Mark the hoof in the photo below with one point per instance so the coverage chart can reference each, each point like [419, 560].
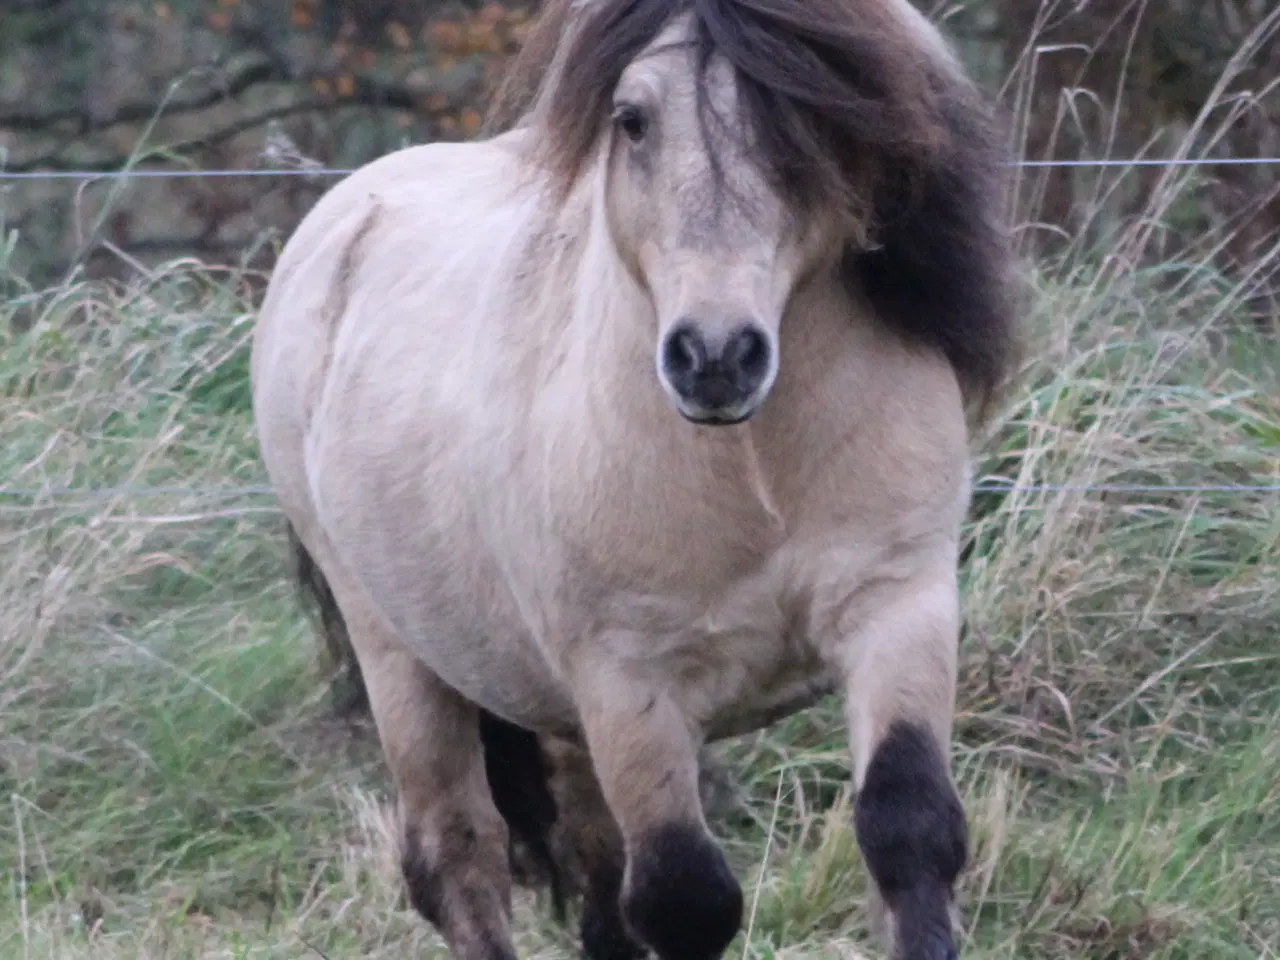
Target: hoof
[680, 897]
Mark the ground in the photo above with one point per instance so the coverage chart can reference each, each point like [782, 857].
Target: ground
[177, 786]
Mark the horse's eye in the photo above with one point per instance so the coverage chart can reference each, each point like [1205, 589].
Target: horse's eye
[631, 121]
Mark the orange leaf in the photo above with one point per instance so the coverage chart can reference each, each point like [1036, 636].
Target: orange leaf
[219, 21]
[471, 121]
[479, 37]
[321, 86]
[398, 35]
[492, 13]
[346, 85]
[446, 35]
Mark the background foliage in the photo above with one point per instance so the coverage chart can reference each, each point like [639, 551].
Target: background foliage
[176, 783]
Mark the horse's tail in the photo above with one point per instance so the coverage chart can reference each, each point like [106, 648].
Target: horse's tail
[517, 769]
[350, 694]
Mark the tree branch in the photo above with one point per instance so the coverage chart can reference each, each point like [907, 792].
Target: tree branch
[253, 74]
[54, 163]
[367, 93]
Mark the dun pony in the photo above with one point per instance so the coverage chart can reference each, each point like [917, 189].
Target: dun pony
[643, 422]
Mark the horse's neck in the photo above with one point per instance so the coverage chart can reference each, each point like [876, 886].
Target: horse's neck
[612, 328]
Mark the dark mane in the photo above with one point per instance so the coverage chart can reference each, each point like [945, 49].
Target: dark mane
[847, 106]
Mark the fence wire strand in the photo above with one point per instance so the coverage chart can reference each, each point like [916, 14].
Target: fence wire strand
[147, 174]
[86, 495]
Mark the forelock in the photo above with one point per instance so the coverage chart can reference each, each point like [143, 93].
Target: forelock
[850, 105]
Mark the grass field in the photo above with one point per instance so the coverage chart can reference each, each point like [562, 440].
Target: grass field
[175, 786]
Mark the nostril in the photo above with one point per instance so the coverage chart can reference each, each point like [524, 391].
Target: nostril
[685, 353]
[748, 351]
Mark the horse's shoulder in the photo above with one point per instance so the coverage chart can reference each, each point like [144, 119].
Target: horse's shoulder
[476, 169]
[434, 179]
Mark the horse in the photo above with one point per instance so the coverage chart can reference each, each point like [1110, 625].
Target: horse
[640, 422]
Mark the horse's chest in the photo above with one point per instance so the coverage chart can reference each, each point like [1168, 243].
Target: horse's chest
[724, 631]
[679, 528]
[736, 656]
[680, 563]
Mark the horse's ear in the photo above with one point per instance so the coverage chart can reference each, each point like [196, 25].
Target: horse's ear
[941, 269]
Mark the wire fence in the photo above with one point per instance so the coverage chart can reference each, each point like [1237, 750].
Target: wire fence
[182, 173]
[86, 494]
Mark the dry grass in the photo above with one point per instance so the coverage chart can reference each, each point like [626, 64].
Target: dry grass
[175, 788]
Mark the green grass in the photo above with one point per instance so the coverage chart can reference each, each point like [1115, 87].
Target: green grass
[176, 788]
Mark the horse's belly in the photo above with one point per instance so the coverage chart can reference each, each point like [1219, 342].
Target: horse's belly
[443, 593]
[505, 638]
[485, 652]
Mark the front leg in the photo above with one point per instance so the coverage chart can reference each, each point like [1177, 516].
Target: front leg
[896, 647]
[587, 838]
[678, 895]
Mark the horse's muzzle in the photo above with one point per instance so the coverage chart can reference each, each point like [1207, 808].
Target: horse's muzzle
[717, 381]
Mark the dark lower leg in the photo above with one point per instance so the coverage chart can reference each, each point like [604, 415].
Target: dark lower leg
[588, 838]
[604, 933]
[899, 661]
[678, 895]
[454, 842]
[454, 877]
[681, 897]
[911, 827]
